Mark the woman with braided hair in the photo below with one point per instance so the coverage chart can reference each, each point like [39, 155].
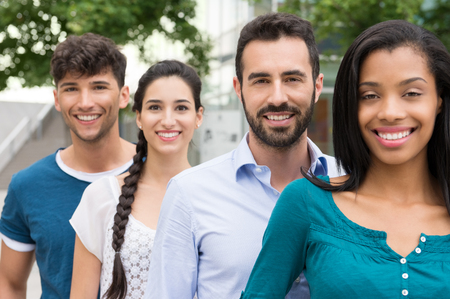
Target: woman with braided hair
[116, 220]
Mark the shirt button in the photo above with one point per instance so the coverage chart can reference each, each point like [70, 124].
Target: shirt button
[275, 192]
[423, 239]
[297, 280]
[405, 292]
[418, 250]
[405, 275]
[403, 261]
[258, 170]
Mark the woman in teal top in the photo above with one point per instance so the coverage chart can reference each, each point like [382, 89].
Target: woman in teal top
[383, 231]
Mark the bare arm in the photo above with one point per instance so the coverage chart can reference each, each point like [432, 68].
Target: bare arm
[86, 273]
[15, 267]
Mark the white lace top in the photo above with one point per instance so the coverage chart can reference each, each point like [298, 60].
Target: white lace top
[93, 222]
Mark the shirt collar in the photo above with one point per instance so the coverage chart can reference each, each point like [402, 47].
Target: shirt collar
[243, 156]
[319, 164]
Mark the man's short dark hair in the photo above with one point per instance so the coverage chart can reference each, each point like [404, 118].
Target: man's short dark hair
[88, 55]
[272, 27]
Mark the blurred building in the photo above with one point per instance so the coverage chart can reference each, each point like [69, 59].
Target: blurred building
[28, 136]
[225, 123]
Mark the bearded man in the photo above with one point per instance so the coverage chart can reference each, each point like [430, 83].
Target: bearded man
[214, 215]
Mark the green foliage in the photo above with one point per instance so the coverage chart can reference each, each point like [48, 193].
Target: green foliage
[31, 29]
[344, 20]
[437, 20]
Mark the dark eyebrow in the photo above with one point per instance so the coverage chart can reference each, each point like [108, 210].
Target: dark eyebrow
[100, 82]
[294, 72]
[182, 101]
[286, 73]
[373, 84]
[159, 101]
[407, 81]
[153, 101]
[68, 84]
[404, 82]
[257, 75]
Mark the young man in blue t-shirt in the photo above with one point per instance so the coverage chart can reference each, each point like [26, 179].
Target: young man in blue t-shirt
[89, 76]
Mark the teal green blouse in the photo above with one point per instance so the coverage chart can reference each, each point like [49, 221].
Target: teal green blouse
[340, 259]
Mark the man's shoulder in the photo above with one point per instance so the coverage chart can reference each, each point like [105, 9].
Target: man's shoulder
[207, 169]
[37, 169]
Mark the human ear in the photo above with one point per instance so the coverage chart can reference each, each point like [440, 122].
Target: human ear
[138, 119]
[439, 107]
[318, 86]
[55, 95]
[124, 97]
[237, 87]
[199, 118]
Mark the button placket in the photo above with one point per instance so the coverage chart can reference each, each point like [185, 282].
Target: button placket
[419, 249]
[405, 277]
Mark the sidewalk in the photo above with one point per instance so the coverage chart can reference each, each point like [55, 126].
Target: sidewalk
[34, 283]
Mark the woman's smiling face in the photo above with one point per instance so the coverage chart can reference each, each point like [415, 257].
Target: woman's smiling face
[168, 117]
[398, 104]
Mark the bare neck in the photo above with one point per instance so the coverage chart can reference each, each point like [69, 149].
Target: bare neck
[92, 157]
[159, 168]
[410, 182]
[284, 164]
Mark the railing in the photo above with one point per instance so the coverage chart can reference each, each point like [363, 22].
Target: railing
[21, 134]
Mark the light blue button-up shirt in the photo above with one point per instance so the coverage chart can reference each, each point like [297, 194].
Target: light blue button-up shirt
[211, 226]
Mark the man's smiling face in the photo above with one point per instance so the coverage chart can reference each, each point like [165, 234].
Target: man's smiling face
[278, 91]
[90, 105]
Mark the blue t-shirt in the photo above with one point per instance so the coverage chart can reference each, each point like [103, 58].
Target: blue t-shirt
[40, 201]
[341, 259]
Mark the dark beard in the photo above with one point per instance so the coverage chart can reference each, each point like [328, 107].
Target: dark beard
[280, 137]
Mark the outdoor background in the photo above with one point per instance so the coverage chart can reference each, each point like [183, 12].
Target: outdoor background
[203, 33]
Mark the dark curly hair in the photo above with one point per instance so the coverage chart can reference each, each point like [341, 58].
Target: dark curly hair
[89, 54]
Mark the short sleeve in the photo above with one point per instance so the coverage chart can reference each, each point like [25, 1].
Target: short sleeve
[13, 223]
[95, 213]
[283, 254]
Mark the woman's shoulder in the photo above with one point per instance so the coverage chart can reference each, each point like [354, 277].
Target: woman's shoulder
[317, 183]
[104, 190]
[311, 193]
[312, 184]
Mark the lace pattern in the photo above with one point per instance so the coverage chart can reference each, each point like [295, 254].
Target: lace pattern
[135, 254]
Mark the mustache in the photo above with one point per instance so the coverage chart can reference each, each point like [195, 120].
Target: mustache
[282, 108]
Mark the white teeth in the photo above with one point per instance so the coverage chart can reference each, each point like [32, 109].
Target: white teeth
[168, 135]
[278, 117]
[394, 136]
[87, 117]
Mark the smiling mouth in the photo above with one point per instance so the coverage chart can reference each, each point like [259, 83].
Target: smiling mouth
[278, 117]
[87, 117]
[394, 136]
[168, 135]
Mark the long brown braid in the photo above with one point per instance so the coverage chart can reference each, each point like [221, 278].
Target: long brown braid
[118, 288]
[166, 68]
